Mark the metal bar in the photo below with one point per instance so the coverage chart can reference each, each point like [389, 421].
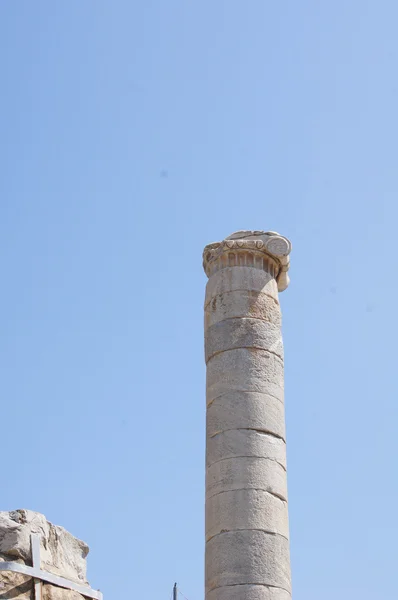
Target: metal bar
[38, 587]
[50, 578]
[36, 562]
[175, 592]
[35, 544]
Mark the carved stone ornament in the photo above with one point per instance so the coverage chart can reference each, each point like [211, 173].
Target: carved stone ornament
[267, 250]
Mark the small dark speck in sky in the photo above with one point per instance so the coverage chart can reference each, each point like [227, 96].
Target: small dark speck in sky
[164, 174]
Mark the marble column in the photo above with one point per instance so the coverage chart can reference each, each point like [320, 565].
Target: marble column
[247, 529]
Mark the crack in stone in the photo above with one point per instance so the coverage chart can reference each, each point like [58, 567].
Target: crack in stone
[245, 348]
[275, 495]
[275, 587]
[279, 496]
[274, 533]
[245, 392]
[260, 431]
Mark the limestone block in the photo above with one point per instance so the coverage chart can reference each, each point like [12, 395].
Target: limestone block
[237, 442]
[242, 557]
[15, 586]
[242, 303]
[61, 552]
[244, 369]
[248, 592]
[246, 472]
[20, 587]
[231, 279]
[246, 509]
[246, 410]
[51, 592]
[243, 333]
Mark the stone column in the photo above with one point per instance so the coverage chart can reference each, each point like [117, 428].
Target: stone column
[247, 530]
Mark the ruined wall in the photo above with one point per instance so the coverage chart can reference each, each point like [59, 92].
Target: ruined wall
[61, 554]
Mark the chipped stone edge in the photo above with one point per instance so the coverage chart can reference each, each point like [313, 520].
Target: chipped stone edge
[270, 245]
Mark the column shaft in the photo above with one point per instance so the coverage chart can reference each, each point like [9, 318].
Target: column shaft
[247, 532]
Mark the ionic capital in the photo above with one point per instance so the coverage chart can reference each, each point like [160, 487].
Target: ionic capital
[266, 250]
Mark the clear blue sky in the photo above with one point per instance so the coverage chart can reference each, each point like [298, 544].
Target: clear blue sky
[132, 134]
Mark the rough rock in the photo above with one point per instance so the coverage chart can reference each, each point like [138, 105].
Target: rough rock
[15, 586]
[61, 553]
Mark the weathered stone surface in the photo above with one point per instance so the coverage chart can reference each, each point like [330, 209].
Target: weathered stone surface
[241, 304]
[51, 592]
[61, 553]
[244, 369]
[267, 250]
[243, 473]
[15, 586]
[243, 333]
[242, 557]
[246, 509]
[242, 442]
[233, 279]
[246, 410]
[247, 530]
[248, 592]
